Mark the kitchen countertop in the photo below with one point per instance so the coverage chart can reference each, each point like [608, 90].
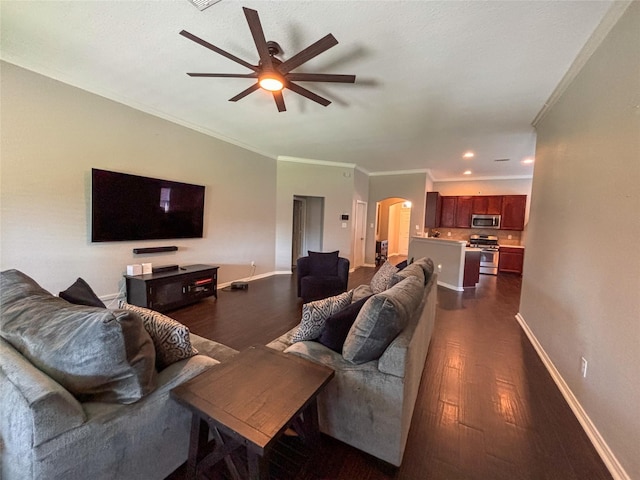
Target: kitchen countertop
[511, 246]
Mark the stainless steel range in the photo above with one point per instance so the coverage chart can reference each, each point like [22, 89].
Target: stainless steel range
[489, 255]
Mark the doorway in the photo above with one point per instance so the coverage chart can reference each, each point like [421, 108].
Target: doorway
[307, 228]
[394, 224]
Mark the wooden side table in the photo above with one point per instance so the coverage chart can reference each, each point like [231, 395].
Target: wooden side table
[249, 401]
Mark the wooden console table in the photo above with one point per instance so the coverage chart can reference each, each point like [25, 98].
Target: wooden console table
[249, 401]
[163, 291]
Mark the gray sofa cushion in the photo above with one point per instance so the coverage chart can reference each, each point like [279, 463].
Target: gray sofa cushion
[382, 317]
[94, 353]
[414, 269]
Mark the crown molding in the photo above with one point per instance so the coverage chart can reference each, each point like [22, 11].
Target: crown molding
[601, 31]
[475, 179]
[399, 172]
[284, 158]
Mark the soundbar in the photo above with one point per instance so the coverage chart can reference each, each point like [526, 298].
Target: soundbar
[165, 268]
[155, 249]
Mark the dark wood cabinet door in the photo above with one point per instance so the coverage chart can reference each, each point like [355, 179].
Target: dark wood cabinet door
[494, 204]
[433, 210]
[463, 212]
[511, 260]
[513, 210]
[487, 205]
[448, 215]
[480, 205]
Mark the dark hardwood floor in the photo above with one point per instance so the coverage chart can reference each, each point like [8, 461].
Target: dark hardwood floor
[487, 407]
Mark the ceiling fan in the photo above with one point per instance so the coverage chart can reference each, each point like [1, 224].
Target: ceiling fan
[271, 73]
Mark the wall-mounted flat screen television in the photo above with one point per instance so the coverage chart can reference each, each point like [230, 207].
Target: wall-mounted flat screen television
[130, 207]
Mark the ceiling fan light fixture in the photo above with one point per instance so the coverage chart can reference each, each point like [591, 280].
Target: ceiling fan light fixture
[271, 82]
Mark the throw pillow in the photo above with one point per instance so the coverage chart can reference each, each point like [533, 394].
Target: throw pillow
[96, 354]
[170, 337]
[323, 264]
[380, 281]
[381, 319]
[315, 313]
[337, 326]
[81, 293]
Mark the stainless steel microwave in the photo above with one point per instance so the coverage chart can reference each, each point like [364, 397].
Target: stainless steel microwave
[485, 221]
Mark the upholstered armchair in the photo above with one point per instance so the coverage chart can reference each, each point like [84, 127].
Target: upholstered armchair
[321, 275]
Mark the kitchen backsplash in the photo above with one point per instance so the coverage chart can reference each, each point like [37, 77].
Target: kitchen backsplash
[463, 234]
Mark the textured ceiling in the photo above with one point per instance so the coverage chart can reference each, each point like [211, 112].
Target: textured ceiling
[434, 79]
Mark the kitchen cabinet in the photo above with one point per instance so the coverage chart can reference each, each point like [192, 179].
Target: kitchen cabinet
[513, 211]
[487, 205]
[471, 268]
[448, 214]
[511, 260]
[463, 212]
[433, 210]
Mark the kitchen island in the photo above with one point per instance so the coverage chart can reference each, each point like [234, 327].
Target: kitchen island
[450, 258]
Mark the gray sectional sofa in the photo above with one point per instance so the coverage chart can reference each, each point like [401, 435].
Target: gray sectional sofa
[370, 405]
[47, 433]
[77, 426]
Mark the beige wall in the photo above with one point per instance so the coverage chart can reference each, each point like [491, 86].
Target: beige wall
[53, 134]
[407, 186]
[581, 284]
[335, 183]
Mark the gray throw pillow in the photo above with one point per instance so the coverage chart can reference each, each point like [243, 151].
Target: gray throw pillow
[315, 313]
[381, 319]
[96, 354]
[382, 278]
[170, 337]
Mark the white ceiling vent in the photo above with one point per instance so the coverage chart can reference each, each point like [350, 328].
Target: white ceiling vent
[202, 4]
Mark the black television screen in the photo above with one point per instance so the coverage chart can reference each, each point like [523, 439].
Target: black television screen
[130, 207]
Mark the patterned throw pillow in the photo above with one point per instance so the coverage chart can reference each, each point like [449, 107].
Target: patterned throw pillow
[382, 279]
[170, 337]
[315, 313]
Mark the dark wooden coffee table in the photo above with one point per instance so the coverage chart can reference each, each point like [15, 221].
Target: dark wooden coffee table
[250, 401]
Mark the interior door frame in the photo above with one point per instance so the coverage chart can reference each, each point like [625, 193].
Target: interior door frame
[360, 234]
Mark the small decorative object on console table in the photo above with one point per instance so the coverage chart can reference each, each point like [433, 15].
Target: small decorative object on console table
[166, 290]
[231, 402]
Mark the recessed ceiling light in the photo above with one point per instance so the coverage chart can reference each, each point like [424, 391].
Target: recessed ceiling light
[527, 160]
[468, 155]
[467, 172]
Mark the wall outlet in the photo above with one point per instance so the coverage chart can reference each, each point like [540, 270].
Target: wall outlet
[448, 234]
[439, 268]
[583, 367]
[253, 263]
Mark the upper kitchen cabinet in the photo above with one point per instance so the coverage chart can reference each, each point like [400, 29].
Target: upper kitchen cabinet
[513, 211]
[487, 205]
[433, 210]
[448, 214]
[463, 212]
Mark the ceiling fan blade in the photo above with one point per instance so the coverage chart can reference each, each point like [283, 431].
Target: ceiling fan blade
[246, 92]
[307, 93]
[321, 77]
[218, 50]
[277, 96]
[224, 75]
[258, 36]
[313, 50]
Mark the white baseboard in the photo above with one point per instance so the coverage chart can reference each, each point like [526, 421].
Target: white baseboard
[450, 287]
[608, 457]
